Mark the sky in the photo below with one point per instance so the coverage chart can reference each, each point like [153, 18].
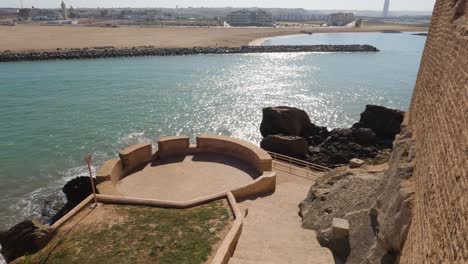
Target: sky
[407, 5]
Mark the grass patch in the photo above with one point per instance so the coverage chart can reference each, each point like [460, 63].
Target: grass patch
[139, 234]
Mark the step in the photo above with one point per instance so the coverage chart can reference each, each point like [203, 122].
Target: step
[279, 248]
[279, 218]
[247, 261]
[309, 242]
[286, 258]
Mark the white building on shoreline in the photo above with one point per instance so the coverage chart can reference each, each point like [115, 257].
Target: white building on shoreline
[245, 18]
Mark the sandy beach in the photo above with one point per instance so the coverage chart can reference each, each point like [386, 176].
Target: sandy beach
[37, 37]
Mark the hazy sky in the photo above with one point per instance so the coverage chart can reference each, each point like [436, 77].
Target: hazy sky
[413, 5]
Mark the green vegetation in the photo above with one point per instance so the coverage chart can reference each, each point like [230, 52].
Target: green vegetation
[140, 234]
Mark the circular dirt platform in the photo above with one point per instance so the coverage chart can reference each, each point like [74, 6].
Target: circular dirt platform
[186, 178]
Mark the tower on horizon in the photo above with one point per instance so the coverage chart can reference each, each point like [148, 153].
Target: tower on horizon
[64, 11]
[386, 7]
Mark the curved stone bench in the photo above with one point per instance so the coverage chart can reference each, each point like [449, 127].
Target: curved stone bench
[173, 146]
[111, 170]
[131, 159]
[239, 149]
[135, 156]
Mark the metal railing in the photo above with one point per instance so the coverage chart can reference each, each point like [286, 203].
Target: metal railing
[295, 166]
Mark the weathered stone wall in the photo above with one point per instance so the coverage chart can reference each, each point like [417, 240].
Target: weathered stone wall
[439, 118]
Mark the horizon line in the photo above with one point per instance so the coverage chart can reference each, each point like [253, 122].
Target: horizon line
[194, 7]
[246, 7]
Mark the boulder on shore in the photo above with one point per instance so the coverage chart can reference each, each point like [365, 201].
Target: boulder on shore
[289, 121]
[375, 131]
[292, 146]
[75, 191]
[343, 145]
[385, 122]
[27, 237]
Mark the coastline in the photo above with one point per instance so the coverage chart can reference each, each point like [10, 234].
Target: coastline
[27, 38]
[260, 41]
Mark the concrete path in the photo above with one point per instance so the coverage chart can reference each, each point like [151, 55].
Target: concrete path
[272, 231]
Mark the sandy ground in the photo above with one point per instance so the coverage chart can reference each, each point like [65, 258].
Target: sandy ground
[36, 37]
[185, 178]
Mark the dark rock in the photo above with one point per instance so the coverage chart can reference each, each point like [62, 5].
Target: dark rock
[341, 146]
[27, 237]
[289, 121]
[391, 31]
[75, 191]
[375, 130]
[52, 205]
[286, 145]
[364, 137]
[385, 122]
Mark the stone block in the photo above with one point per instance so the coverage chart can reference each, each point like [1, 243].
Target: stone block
[340, 228]
[356, 163]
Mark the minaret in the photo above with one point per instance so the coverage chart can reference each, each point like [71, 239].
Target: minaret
[385, 9]
[64, 11]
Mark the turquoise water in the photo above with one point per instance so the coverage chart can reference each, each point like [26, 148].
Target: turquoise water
[52, 113]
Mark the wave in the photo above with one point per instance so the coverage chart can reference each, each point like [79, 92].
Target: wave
[32, 205]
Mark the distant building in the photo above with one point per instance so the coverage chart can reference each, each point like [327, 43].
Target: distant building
[9, 11]
[386, 8]
[45, 15]
[24, 14]
[259, 18]
[64, 11]
[340, 19]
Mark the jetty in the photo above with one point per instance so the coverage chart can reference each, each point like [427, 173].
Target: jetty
[112, 52]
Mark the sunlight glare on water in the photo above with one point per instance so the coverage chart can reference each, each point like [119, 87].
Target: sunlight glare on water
[55, 112]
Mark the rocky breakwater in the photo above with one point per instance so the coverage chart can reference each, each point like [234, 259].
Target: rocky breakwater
[289, 131]
[112, 52]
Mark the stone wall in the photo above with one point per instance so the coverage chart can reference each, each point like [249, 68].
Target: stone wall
[439, 118]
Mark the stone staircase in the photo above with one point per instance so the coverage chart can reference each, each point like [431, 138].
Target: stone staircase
[272, 231]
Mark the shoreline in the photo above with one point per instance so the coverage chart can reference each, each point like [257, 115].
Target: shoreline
[260, 41]
[27, 38]
[111, 52]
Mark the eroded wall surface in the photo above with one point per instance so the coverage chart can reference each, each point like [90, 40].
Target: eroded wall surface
[439, 117]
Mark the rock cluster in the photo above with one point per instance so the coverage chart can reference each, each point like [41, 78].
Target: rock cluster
[376, 202]
[27, 237]
[30, 236]
[75, 191]
[286, 129]
[110, 52]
